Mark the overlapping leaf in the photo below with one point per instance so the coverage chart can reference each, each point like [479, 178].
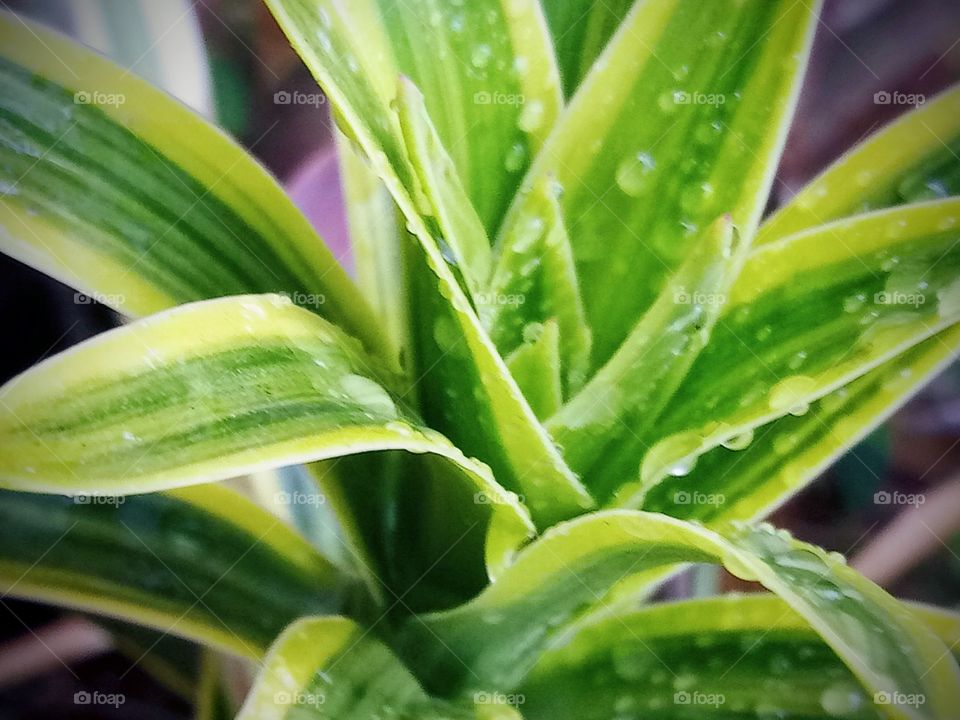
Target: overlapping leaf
[500, 635]
[807, 315]
[113, 187]
[215, 390]
[452, 353]
[912, 159]
[664, 135]
[190, 562]
[751, 656]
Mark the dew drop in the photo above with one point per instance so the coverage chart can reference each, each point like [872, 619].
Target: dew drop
[480, 57]
[854, 303]
[632, 173]
[531, 117]
[791, 394]
[515, 158]
[739, 442]
[841, 699]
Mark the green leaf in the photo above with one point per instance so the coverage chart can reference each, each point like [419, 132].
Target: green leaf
[448, 202]
[332, 668]
[580, 30]
[535, 366]
[191, 562]
[754, 656]
[664, 136]
[761, 469]
[113, 187]
[806, 316]
[571, 569]
[214, 390]
[486, 70]
[493, 420]
[534, 281]
[599, 428]
[914, 158]
[211, 701]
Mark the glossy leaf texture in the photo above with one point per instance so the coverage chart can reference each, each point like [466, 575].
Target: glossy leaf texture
[333, 668]
[189, 562]
[753, 657]
[571, 569]
[491, 418]
[115, 188]
[534, 282]
[754, 473]
[581, 30]
[215, 390]
[486, 69]
[623, 400]
[914, 158]
[806, 316]
[665, 135]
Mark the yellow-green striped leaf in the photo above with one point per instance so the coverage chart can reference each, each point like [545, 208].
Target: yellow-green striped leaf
[914, 158]
[807, 315]
[486, 69]
[535, 366]
[666, 134]
[600, 427]
[111, 186]
[572, 568]
[580, 30]
[189, 562]
[333, 668]
[745, 655]
[214, 390]
[762, 468]
[492, 419]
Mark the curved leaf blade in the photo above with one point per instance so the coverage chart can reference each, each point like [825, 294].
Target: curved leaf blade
[572, 568]
[806, 316]
[492, 101]
[765, 467]
[665, 135]
[914, 158]
[333, 668]
[755, 656]
[215, 390]
[115, 188]
[190, 562]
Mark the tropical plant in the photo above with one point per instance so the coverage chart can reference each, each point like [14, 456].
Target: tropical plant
[575, 361]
